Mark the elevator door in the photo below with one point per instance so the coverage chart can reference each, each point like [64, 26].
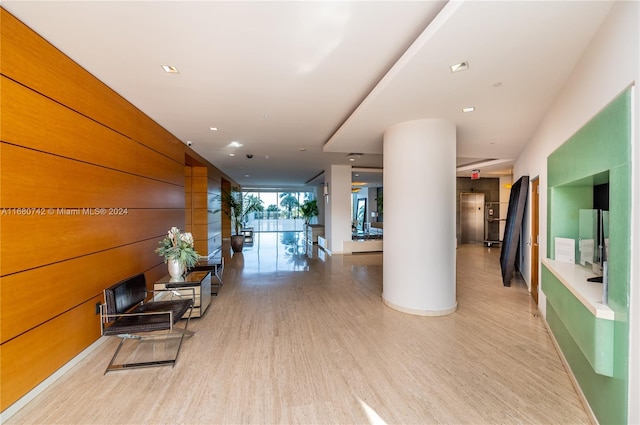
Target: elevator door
[472, 217]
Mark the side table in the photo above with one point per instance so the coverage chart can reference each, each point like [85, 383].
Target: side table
[216, 266]
[200, 281]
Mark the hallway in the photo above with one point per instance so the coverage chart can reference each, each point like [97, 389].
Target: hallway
[304, 338]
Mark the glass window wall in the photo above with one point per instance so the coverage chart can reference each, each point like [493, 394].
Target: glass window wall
[280, 211]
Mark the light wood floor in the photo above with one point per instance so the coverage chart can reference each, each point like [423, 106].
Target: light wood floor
[296, 339]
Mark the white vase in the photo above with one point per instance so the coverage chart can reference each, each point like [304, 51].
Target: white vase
[176, 268]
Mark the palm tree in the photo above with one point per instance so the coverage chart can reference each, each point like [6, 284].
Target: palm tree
[288, 202]
[272, 211]
[238, 206]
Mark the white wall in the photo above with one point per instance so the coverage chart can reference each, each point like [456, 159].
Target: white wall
[505, 195]
[609, 66]
[338, 207]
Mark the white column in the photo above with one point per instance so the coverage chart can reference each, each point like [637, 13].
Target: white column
[419, 257]
[338, 207]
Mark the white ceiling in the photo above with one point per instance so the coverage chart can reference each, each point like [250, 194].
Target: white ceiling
[302, 84]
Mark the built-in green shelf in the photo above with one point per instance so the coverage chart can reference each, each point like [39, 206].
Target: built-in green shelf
[589, 322]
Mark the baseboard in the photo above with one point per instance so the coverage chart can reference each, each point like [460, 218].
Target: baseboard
[24, 400]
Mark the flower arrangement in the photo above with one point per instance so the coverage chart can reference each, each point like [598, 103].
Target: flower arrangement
[178, 246]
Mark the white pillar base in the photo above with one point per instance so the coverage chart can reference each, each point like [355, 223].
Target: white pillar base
[419, 312]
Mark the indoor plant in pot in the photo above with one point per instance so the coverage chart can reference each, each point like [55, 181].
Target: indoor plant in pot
[178, 252]
[308, 210]
[237, 207]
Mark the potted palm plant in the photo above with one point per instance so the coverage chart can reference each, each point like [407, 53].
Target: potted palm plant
[237, 207]
[308, 210]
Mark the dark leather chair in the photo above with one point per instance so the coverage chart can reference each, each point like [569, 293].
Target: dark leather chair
[128, 314]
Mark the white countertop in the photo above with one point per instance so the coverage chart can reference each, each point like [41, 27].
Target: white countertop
[574, 277]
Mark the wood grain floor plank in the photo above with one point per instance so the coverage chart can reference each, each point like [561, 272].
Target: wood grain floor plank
[292, 339]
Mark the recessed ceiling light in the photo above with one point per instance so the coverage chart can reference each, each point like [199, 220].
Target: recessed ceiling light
[302, 150]
[462, 66]
[213, 128]
[170, 69]
[352, 159]
[468, 109]
[246, 175]
[232, 154]
[235, 144]
[357, 175]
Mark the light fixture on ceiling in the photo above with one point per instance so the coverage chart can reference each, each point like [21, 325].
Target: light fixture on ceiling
[469, 109]
[462, 66]
[235, 144]
[170, 69]
[302, 149]
[232, 154]
[213, 128]
[353, 156]
[355, 189]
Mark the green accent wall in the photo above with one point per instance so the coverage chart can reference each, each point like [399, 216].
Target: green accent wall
[599, 152]
[602, 143]
[601, 391]
[593, 336]
[566, 203]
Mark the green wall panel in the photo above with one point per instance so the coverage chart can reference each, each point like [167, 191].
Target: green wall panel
[599, 151]
[565, 208]
[603, 143]
[607, 396]
[620, 237]
[593, 336]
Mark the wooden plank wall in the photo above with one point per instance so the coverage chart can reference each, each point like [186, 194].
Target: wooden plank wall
[202, 204]
[89, 185]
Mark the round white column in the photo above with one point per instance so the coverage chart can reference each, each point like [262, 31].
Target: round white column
[419, 273]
